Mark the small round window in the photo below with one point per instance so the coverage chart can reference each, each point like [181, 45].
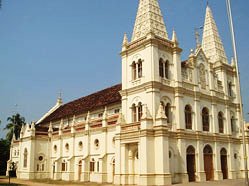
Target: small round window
[40, 158]
[96, 143]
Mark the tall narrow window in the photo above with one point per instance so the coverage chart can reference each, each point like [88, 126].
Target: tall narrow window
[92, 165]
[205, 119]
[140, 111]
[221, 123]
[233, 128]
[134, 71]
[188, 117]
[25, 159]
[140, 68]
[168, 112]
[134, 113]
[161, 68]
[230, 89]
[166, 70]
[63, 166]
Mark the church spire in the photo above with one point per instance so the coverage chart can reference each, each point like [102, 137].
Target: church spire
[149, 20]
[211, 41]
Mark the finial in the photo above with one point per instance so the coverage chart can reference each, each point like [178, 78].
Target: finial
[88, 117]
[50, 129]
[232, 62]
[125, 40]
[197, 36]
[174, 38]
[105, 114]
[59, 99]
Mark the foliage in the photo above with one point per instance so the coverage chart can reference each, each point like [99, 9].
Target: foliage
[4, 154]
[14, 126]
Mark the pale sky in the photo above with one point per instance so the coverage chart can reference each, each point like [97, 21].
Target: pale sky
[48, 46]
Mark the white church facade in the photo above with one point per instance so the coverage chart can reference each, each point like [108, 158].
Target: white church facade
[170, 121]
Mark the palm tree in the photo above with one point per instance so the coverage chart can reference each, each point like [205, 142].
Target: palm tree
[14, 126]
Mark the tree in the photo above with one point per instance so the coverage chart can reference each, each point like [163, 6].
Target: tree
[4, 154]
[14, 126]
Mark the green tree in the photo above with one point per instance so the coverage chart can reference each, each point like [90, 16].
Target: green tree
[4, 154]
[14, 125]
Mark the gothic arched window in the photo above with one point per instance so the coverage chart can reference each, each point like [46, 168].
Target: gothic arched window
[166, 69]
[134, 70]
[140, 68]
[188, 117]
[230, 89]
[134, 113]
[25, 159]
[205, 119]
[220, 122]
[140, 111]
[233, 126]
[92, 165]
[161, 68]
[168, 112]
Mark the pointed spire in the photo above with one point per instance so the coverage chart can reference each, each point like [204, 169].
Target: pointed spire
[149, 20]
[59, 99]
[232, 62]
[50, 128]
[125, 40]
[174, 38]
[211, 41]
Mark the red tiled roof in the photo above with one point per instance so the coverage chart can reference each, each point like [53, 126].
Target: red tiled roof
[88, 103]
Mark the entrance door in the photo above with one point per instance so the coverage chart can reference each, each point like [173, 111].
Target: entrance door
[79, 170]
[208, 163]
[223, 161]
[191, 163]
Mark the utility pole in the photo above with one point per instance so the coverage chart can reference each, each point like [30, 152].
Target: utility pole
[242, 123]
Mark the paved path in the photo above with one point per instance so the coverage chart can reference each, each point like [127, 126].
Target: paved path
[4, 181]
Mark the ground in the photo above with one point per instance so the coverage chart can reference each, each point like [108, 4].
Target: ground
[18, 182]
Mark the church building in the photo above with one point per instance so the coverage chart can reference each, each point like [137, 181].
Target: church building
[169, 121]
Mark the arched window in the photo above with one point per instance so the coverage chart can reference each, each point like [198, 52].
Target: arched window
[140, 68]
[92, 165]
[223, 152]
[207, 150]
[233, 127]
[168, 112]
[134, 71]
[205, 119]
[220, 122]
[140, 111]
[230, 89]
[188, 117]
[25, 159]
[161, 68]
[134, 113]
[166, 69]
[202, 74]
[64, 166]
[190, 150]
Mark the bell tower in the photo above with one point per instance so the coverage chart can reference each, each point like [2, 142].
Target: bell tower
[151, 69]
[149, 60]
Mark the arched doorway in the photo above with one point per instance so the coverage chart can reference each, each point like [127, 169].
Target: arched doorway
[208, 162]
[191, 163]
[79, 170]
[223, 161]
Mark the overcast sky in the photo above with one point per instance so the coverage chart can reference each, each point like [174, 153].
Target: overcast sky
[48, 46]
